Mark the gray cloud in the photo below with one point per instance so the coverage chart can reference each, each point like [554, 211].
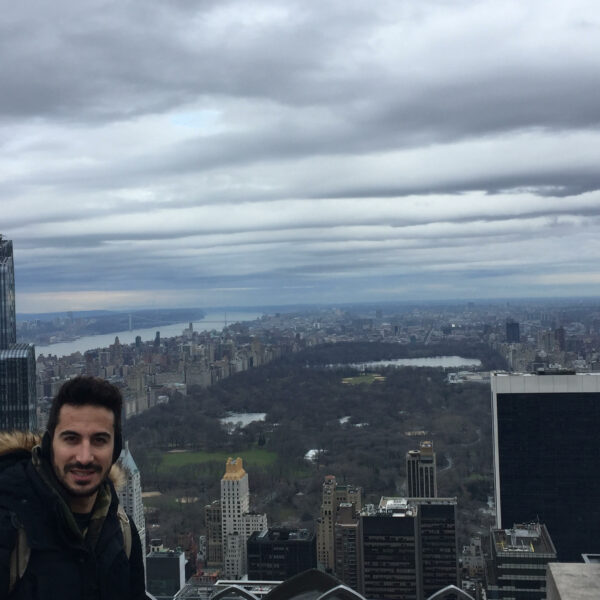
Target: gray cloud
[343, 149]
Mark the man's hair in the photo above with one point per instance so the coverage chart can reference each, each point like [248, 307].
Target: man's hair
[87, 391]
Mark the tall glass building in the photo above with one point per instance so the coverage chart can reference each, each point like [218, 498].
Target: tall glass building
[547, 456]
[18, 405]
[8, 322]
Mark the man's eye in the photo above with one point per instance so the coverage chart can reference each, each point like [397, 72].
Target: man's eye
[100, 441]
[70, 439]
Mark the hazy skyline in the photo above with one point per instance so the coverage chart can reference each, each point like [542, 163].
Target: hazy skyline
[228, 153]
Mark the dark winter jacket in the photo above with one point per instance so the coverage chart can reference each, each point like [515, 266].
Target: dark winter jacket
[63, 565]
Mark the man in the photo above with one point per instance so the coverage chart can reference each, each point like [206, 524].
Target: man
[58, 503]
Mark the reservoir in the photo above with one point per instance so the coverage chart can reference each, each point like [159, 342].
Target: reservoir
[212, 320]
[451, 362]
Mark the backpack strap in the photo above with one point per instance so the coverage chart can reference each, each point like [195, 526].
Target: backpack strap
[19, 557]
[125, 529]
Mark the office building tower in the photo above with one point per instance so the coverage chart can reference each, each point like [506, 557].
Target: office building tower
[235, 502]
[278, 554]
[438, 555]
[130, 495]
[214, 534]
[237, 522]
[409, 548]
[18, 388]
[421, 472]
[8, 321]
[17, 361]
[333, 496]
[518, 558]
[165, 574]
[513, 334]
[546, 455]
[348, 563]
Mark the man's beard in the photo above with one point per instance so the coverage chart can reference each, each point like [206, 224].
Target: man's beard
[74, 491]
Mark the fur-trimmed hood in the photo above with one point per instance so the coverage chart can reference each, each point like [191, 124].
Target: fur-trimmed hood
[21, 442]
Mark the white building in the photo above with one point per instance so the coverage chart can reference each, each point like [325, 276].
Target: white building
[237, 522]
[130, 495]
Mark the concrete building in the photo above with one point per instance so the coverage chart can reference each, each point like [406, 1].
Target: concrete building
[237, 522]
[254, 522]
[516, 569]
[421, 472]
[348, 563]
[333, 495]
[130, 495]
[546, 454]
[409, 547]
[278, 554]
[235, 502]
[573, 581]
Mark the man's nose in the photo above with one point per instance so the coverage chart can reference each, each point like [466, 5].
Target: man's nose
[84, 453]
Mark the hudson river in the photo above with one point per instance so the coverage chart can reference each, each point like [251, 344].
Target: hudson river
[212, 320]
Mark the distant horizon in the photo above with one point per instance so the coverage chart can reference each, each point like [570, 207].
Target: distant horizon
[317, 305]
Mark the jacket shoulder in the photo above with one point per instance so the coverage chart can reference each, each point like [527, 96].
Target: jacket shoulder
[18, 441]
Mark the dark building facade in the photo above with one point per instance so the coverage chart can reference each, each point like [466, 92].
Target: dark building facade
[518, 558]
[17, 388]
[513, 332]
[438, 555]
[17, 361]
[348, 564]
[8, 322]
[409, 548]
[277, 554]
[421, 476]
[546, 456]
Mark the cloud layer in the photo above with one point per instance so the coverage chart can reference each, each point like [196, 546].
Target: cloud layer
[283, 152]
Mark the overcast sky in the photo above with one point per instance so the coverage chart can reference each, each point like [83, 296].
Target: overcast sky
[243, 153]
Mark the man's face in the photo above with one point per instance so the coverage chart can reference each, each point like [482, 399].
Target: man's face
[82, 449]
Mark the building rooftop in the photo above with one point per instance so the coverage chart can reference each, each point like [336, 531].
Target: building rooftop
[234, 469]
[572, 581]
[530, 538]
[283, 534]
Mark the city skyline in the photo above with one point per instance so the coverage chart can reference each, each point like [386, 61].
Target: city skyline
[206, 155]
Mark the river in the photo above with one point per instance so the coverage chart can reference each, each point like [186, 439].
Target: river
[212, 320]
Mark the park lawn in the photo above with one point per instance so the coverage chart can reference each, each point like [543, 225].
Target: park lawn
[254, 457]
[366, 378]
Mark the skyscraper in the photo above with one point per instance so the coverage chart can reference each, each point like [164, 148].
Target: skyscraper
[17, 388]
[333, 495]
[409, 547]
[421, 472]
[8, 321]
[235, 501]
[237, 522]
[547, 456]
[348, 547]
[130, 495]
[519, 556]
[214, 534]
[17, 361]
